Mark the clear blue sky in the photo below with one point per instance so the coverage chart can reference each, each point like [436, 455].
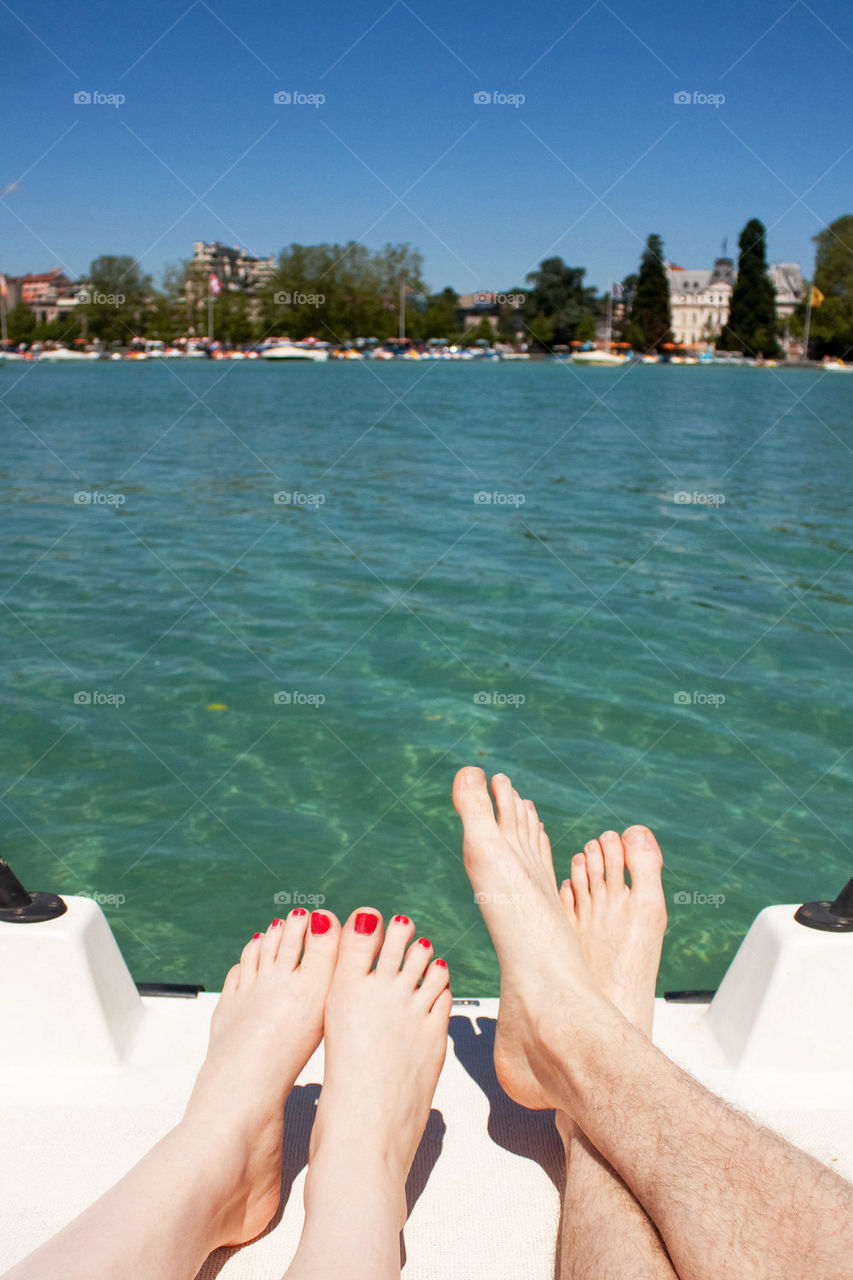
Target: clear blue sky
[598, 156]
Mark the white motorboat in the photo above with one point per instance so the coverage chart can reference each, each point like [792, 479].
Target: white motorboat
[597, 357]
[65, 353]
[95, 1069]
[295, 351]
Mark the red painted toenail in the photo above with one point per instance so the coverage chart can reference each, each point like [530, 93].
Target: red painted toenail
[299, 911]
[402, 920]
[443, 963]
[424, 942]
[365, 922]
[255, 937]
[320, 923]
[275, 923]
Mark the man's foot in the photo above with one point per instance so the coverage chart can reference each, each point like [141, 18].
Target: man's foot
[620, 929]
[385, 1042]
[268, 1022]
[545, 981]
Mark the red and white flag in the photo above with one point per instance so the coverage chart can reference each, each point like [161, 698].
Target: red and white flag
[215, 286]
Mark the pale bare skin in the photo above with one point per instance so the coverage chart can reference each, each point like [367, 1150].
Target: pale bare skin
[729, 1198]
[215, 1179]
[386, 1039]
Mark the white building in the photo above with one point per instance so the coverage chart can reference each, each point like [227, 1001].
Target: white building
[787, 280]
[699, 301]
[235, 268]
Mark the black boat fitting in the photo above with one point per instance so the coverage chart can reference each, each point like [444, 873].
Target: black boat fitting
[19, 907]
[832, 917]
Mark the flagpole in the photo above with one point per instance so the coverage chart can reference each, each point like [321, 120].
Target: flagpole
[808, 322]
[402, 307]
[210, 315]
[3, 335]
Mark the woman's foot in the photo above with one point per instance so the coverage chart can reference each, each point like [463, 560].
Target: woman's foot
[545, 981]
[620, 929]
[385, 1042]
[268, 1022]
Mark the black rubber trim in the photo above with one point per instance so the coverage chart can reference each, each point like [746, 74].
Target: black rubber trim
[689, 997]
[174, 990]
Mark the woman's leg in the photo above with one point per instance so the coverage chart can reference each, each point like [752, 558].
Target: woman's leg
[215, 1179]
[385, 1041]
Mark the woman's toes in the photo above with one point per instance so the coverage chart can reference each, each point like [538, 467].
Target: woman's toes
[505, 798]
[361, 941]
[232, 980]
[250, 956]
[321, 937]
[288, 937]
[614, 860]
[418, 957]
[397, 938]
[580, 882]
[436, 980]
[643, 859]
[594, 865]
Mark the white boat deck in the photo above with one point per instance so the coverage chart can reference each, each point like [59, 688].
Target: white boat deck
[483, 1193]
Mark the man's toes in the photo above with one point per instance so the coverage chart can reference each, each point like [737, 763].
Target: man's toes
[472, 802]
[436, 980]
[614, 860]
[397, 938]
[361, 941]
[567, 895]
[505, 798]
[418, 957]
[594, 865]
[643, 859]
[580, 882]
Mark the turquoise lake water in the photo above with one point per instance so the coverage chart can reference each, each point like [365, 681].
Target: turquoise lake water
[624, 656]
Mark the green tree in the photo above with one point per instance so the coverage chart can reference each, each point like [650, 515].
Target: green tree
[586, 329]
[115, 299]
[650, 316]
[441, 318]
[558, 293]
[478, 333]
[540, 331]
[832, 322]
[751, 326]
[20, 323]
